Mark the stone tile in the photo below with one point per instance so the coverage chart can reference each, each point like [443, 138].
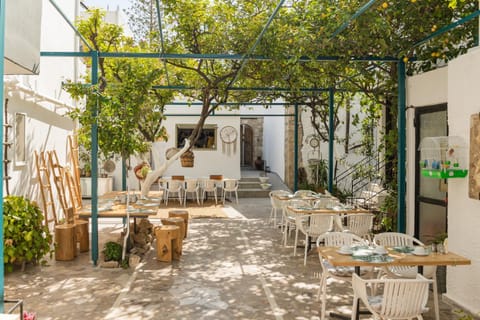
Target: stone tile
[230, 269]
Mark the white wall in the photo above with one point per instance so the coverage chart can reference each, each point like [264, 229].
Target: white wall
[206, 162]
[46, 126]
[274, 140]
[458, 86]
[344, 161]
[463, 283]
[423, 90]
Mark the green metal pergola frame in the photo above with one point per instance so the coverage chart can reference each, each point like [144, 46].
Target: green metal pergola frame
[249, 56]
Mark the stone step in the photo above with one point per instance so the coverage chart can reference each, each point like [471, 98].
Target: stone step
[253, 193]
[249, 184]
[249, 187]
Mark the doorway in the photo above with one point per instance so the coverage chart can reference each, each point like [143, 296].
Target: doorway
[430, 193]
[246, 145]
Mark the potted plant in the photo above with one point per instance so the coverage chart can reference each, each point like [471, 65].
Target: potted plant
[26, 238]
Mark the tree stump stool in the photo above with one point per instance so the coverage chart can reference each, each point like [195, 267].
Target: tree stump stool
[182, 214]
[65, 242]
[176, 221]
[166, 243]
[81, 230]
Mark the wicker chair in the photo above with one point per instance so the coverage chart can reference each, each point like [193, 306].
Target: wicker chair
[400, 298]
[312, 226]
[392, 239]
[334, 239]
[360, 224]
[276, 205]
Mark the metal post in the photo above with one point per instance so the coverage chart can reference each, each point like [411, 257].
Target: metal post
[2, 138]
[401, 148]
[124, 174]
[331, 137]
[94, 153]
[295, 151]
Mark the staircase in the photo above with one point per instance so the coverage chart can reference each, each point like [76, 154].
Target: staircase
[249, 187]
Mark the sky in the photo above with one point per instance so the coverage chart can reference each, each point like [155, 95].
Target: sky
[112, 4]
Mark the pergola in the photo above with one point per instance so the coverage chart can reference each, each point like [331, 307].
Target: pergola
[243, 59]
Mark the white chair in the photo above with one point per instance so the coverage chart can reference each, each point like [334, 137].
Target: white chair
[304, 193]
[312, 226]
[209, 185]
[400, 298]
[230, 186]
[289, 217]
[277, 204]
[360, 224]
[393, 239]
[191, 186]
[174, 187]
[334, 239]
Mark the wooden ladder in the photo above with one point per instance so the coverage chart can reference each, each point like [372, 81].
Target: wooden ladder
[73, 177]
[43, 176]
[58, 178]
[6, 145]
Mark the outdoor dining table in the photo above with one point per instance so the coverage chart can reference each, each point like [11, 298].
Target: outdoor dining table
[337, 259]
[141, 208]
[339, 210]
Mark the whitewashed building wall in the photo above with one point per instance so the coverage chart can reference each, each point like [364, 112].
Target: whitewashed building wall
[456, 85]
[42, 101]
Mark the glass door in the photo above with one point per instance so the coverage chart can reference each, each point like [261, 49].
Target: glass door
[430, 193]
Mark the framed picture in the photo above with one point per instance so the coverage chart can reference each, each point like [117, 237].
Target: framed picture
[20, 143]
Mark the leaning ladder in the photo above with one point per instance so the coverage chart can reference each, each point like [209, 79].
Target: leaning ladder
[57, 171]
[73, 177]
[43, 176]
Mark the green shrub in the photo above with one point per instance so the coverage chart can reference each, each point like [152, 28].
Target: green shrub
[26, 239]
[112, 251]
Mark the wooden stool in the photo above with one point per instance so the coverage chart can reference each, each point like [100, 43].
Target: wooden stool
[81, 229]
[182, 214]
[65, 245]
[166, 243]
[176, 221]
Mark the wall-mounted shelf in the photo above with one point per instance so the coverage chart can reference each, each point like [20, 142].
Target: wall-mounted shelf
[443, 157]
[444, 173]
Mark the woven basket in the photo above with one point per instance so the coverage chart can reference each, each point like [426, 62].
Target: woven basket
[187, 159]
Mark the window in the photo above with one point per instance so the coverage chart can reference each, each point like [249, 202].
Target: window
[207, 140]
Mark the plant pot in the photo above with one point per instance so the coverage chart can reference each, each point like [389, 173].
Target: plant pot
[187, 159]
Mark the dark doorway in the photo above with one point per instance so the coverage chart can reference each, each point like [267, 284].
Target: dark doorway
[246, 145]
[430, 193]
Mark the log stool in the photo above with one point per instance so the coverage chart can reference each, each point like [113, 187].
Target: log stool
[182, 214]
[81, 230]
[179, 222]
[166, 243]
[65, 242]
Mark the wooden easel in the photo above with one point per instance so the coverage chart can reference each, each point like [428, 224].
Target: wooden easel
[43, 176]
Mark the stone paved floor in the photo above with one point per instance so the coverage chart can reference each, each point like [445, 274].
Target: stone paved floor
[230, 269]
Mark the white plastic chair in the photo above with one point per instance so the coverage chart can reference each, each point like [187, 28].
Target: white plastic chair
[277, 204]
[400, 298]
[191, 186]
[174, 187]
[360, 224]
[289, 217]
[230, 186]
[312, 226]
[334, 239]
[304, 193]
[209, 185]
[393, 239]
